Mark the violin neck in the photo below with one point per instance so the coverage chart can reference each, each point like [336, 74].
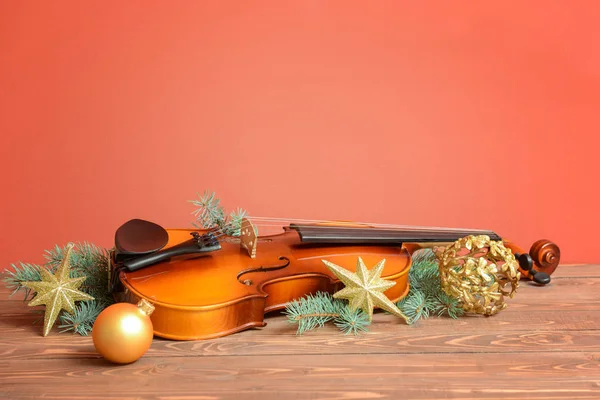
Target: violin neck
[376, 236]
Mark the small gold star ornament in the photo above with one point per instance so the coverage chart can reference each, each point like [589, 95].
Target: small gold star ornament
[364, 289]
[57, 292]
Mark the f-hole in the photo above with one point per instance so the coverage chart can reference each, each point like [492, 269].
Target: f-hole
[248, 282]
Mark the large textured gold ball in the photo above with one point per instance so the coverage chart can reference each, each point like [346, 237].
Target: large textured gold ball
[123, 332]
[479, 272]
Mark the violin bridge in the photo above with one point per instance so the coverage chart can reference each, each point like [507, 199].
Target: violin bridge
[248, 237]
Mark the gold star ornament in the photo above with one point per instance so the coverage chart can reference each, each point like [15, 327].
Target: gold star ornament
[364, 289]
[57, 292]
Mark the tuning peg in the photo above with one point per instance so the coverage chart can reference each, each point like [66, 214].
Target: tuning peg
[526, 264]
[525, 261]
[540, 277]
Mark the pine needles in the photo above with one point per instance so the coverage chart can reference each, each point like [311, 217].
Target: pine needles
[23, 272]
[82, 321]
[86, 260]
[233, 226]
[426, 296]
[210, 213]
[352, 322]
[314, 311]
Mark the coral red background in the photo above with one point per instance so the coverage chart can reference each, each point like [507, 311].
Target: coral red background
[459, 114]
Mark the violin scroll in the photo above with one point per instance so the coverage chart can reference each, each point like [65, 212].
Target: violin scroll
[545, 255]
[541, 261]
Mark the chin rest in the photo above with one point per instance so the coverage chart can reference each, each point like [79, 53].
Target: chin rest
[137, 238]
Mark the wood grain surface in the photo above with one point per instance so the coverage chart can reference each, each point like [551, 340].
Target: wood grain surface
[545, 345]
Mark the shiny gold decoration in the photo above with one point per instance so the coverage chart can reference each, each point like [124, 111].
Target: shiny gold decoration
[123, 332]
[364, 289]
[57, 292]
[479, 272]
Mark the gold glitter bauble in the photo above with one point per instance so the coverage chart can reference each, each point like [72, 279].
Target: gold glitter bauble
[479, 272]
[123, 332]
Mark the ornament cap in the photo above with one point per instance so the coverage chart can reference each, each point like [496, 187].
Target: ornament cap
[146, 307]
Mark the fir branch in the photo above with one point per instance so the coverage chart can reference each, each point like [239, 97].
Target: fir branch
[314, 311]
[233, 226]
[448, 305]
[210, 214]
[424, 271]
[24, 272]
[311, 311]
[426, 296]
[82, 320]
[350, 321]
[415, 306]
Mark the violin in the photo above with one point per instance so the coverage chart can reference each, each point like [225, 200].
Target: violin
[205, 284]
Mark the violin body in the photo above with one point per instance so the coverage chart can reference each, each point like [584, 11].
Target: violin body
[218, 293]
[228, 286]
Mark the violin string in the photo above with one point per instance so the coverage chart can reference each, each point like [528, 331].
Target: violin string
[369, 225]
[326, 227]
[218, 233]
[286, 221]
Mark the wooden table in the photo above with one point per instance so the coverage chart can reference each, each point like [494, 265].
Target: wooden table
[545, 345]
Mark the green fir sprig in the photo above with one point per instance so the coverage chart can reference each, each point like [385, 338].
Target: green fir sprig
[426, 296]
[415, 306]
[86, 260]
[210, 213]
[21, 272]
[314, 311]
[351, 321]
[233, 226]
[82, 321]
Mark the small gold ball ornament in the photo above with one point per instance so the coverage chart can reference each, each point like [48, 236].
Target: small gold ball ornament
[123, 332]
[479, 272]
